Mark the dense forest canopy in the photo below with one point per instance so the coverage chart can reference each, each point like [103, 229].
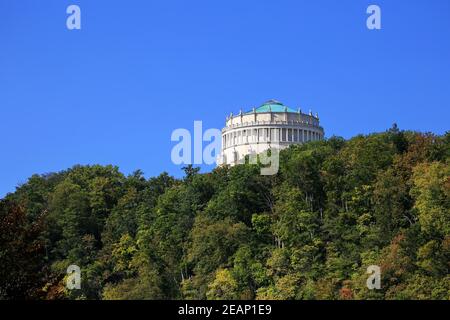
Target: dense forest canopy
[310, 232]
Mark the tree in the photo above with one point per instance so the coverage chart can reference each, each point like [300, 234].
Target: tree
[213, 243]
[309, 232]
[224, 287]
[22, 253]
[431, 191]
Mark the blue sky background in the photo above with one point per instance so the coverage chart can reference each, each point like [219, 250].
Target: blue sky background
[113, 92]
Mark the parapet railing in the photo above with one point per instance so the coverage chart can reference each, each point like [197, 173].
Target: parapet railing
[259, 123]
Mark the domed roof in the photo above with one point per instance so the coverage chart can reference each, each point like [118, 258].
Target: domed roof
[272, 106]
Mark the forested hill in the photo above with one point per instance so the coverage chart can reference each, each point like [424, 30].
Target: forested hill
[309, 232]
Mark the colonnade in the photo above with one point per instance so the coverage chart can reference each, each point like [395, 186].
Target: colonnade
[264, 135]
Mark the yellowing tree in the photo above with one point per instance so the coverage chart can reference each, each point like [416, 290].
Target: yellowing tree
[431, 190]
[224, 286]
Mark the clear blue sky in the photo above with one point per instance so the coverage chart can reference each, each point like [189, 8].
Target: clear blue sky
[113, 92]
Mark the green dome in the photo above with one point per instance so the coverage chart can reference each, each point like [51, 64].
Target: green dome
[272, 106]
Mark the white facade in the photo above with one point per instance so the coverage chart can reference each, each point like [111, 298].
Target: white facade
[272, 125]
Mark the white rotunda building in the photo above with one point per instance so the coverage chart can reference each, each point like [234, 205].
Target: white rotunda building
[272, 125]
